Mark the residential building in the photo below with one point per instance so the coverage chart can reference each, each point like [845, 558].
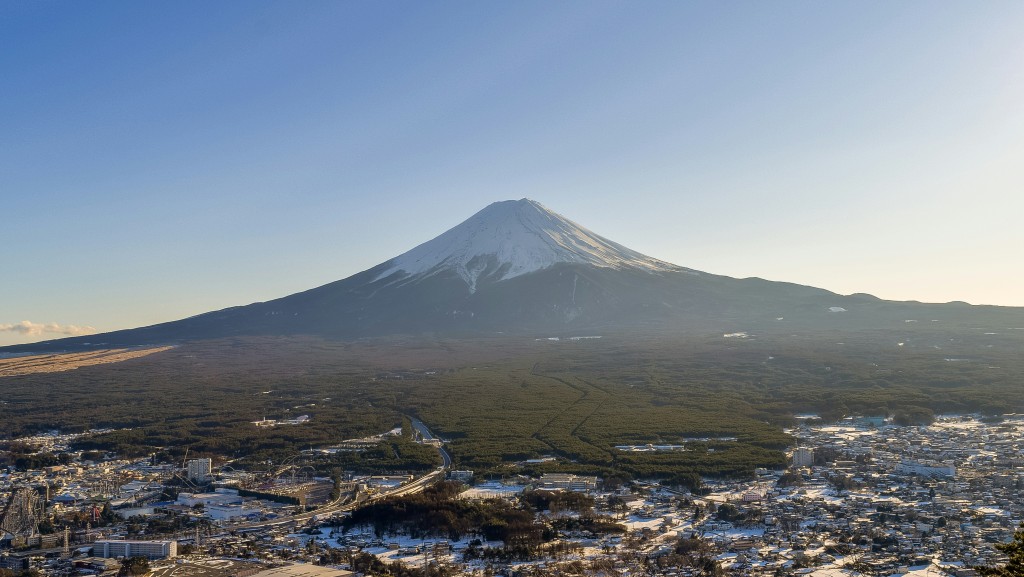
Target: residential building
[199, 469]
[147, 549]
[803, 457]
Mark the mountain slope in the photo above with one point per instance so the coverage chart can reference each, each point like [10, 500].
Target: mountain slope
[516, 267]
[512, 238]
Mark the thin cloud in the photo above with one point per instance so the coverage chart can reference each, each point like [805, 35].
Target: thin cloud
[31, 328]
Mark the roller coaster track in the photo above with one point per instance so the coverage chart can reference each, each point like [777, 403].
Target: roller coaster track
[21, 514]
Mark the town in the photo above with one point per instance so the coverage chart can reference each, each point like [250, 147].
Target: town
[862, 497]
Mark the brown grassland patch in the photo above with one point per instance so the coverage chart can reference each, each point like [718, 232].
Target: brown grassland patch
[56, 363]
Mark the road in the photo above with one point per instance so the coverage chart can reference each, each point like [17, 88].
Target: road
[336, 506]
[422, 429]
[428, 436]
[445, 457]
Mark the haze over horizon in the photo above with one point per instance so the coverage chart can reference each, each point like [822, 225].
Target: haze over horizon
[167, 160]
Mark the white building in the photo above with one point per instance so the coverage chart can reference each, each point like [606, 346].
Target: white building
[567, 481]
[147, 549]
[199, 469]
[926, 469]
[464, 476]
[228, 512]
[803, 457]
[221, 497]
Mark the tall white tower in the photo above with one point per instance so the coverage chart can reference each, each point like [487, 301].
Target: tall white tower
[199, 469]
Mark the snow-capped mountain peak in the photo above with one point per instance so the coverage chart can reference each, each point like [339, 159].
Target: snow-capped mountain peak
[512, 238]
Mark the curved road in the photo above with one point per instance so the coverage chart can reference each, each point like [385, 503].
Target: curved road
[414, 486]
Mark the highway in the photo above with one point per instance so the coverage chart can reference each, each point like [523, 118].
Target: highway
[336, 506]
[423, 430]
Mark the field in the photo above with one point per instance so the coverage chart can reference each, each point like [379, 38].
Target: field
[55, 363]
[503, 400]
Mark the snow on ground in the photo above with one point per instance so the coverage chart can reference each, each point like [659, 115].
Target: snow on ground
[743, 533]
[987, 510]
[849, 433]
[958, 424]
[833, 572]
[636, 523]
[920, 571]
[391, 548]
[823, 493]
[650, 447]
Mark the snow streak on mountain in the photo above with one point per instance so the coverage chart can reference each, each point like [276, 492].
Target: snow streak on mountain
[512, 238]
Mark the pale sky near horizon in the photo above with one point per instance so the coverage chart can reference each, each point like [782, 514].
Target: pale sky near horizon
[160, 160]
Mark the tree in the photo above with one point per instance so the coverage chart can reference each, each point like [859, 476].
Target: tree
[842, 483]
[790, 479]
[728, 512]
[134, 566]
[1014, 566]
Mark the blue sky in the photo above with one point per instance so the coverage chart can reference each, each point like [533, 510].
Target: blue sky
[159, 160]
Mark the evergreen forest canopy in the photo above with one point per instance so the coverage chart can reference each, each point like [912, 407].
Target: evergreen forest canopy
[504, 400]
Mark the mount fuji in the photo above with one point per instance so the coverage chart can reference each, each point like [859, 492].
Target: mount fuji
[517, 267]
[512, 238]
